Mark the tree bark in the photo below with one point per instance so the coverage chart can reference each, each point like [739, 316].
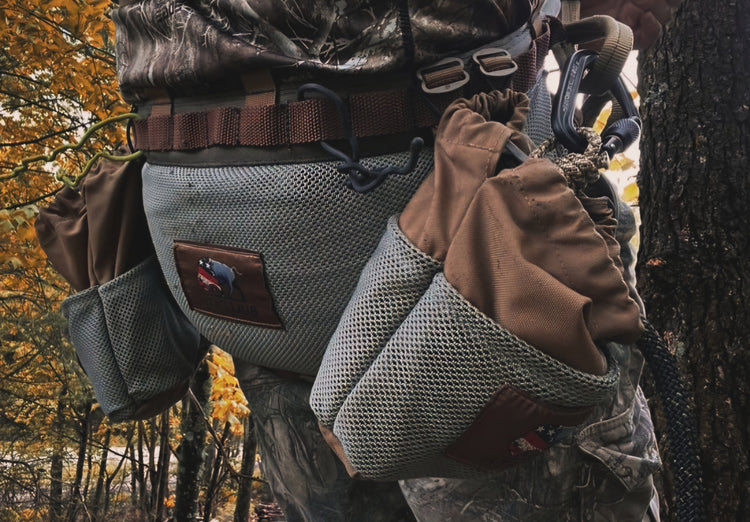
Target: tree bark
[163, 471]
[245, 486]
[102, 475]
[76, 499]
[189, 453]
[214, 482]
[693, 267]
[56, 509]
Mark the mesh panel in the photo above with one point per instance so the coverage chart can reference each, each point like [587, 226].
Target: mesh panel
[313, 232]
[131, 339]
[391, 284]
[433, 378]
[89, 335]
[538, 125]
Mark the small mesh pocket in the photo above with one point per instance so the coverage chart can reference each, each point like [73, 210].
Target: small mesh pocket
[435, 377]
[391, 283]
[133, 342]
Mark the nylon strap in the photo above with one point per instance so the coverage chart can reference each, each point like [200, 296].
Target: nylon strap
[570, 11]
[531, 61]
[618, 42]
[261, 123]
[372, 114]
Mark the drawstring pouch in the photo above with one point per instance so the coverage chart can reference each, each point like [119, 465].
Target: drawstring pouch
[131, 339]
[478, 333]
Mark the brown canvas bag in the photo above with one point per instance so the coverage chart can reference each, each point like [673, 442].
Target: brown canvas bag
[131, 338]
[498, 341]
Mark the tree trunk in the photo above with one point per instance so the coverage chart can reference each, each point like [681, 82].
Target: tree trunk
[153, 477]
[193, 429]
[56, 508]
[163, 471]
[102, 475]
[134, 466]
[141, 476]
[214, 482]
[76, 499]
[245, 486]
[693, 267]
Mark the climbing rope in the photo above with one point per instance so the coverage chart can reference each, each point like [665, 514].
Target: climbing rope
[579, 169]
[682, 428]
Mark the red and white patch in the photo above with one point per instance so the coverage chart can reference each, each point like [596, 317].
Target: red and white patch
[208, 281]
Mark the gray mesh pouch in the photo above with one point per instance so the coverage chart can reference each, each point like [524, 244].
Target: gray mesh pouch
[394, 279]
[313, 232]
[435, 376]
[133, 342]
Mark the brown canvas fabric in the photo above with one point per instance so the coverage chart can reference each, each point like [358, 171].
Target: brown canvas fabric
[470, 139]
[63, 232]
[529, 256]
[602, 214]
[93, 235]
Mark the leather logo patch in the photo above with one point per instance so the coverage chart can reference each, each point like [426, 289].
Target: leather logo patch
[225, 282]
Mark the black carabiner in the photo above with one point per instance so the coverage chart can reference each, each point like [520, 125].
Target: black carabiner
[616, 137]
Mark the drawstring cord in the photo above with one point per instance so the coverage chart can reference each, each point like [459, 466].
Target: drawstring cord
[361, 178]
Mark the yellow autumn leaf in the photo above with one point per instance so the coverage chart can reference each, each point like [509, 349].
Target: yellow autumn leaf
[223, 360]
[601, 120]
[621, 162]
[25, 232]
[630, 194]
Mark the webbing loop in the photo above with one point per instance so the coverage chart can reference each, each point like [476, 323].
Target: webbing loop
[617, 44]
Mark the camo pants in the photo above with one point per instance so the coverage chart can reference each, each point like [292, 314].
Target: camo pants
[307, 480]
[602, 473]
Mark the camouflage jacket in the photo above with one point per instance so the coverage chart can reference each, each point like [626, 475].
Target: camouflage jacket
[190, 47]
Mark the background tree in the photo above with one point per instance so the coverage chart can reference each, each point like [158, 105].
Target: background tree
[59, 458]
[694, 269]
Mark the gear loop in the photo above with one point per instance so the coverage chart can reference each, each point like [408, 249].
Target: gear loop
[579, 169]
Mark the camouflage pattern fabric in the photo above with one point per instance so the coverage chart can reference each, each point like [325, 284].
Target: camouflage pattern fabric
[307, 480]
[602, 472]
[189, 46]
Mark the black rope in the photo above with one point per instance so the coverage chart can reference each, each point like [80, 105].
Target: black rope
[129, 130]
[361, 178]
[681, 426]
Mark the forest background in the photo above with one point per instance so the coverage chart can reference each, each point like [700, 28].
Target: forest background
[61, 459]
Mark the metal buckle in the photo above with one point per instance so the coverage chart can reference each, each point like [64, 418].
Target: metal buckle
[448, 68]
[495, 52]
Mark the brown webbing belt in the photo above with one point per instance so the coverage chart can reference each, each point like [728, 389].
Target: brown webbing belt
[374, 113]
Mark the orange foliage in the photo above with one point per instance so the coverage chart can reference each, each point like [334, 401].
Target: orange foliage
[57, 77]
[229, 404]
